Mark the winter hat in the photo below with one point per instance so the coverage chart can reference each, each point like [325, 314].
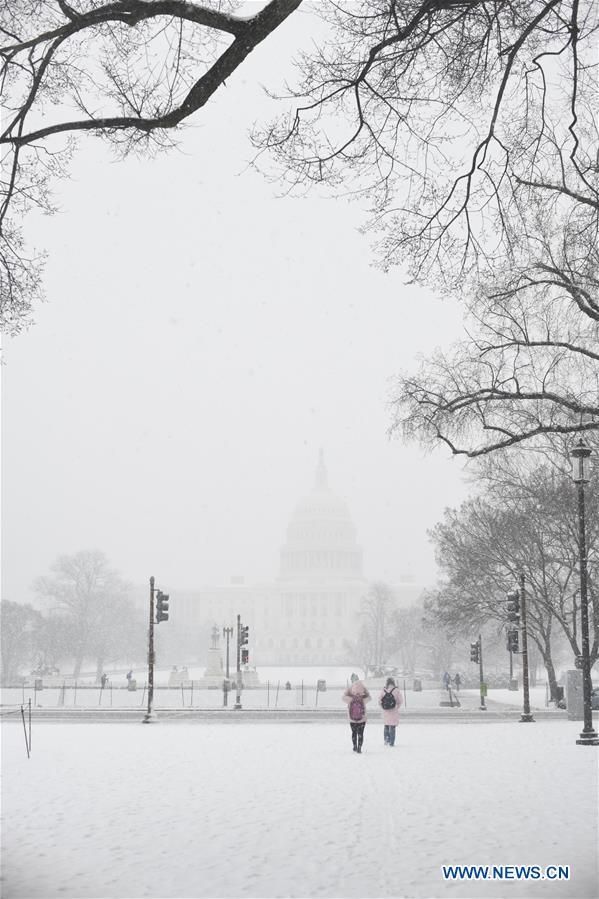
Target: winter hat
[354, 678]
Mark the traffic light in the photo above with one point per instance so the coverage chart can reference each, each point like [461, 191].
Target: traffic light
[512, 640]
[244, 635]
[474, 650]
[245, 656]
[513, 608]
[161, 606]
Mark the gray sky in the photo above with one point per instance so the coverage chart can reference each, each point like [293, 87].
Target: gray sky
[202, 338]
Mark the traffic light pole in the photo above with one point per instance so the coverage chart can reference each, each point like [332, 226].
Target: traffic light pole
[150, 714]
[526, 713]
[483, 706]
[238, 678]
[228, 633]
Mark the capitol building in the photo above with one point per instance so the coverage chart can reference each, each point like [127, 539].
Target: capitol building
[307, 615]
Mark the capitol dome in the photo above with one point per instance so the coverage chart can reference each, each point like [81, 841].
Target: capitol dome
[321, 537]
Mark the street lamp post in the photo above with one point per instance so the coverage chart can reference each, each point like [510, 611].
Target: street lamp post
[580, 455]
[228, 633]
[526, 715]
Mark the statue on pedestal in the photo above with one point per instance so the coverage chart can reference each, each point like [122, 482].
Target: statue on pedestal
[214, 667]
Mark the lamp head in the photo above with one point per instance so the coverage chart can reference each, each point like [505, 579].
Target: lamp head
[579, 454]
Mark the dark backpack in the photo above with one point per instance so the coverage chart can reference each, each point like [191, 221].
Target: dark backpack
[356, 708]
[388, 700]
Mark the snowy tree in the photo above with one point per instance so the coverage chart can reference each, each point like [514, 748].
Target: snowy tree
[525, 522]
[130, 71]
[53, 640]
[372, 647]
[19, 622]
[93, 599]
[470, 129]
[528, 365]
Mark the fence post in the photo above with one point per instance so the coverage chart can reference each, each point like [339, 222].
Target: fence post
[277, 696]
[267, 694]
[182, 695]
[25, 730]
[191, 700]
[29, 703]
[75, 694]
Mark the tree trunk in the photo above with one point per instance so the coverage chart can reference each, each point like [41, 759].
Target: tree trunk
[551, 678]
[99, 669]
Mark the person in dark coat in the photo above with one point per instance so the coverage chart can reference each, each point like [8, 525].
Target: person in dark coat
[457, 681]
[355, 694]
[390, 715]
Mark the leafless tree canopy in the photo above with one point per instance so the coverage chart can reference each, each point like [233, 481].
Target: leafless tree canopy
[470, 127]
[439, 112]
[529, 364]
[130, 70]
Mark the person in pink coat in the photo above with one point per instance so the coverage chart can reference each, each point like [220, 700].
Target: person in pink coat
[390, 701]
[356, 696]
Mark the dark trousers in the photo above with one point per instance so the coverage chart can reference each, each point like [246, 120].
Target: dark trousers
[389, 732]
[357, 733]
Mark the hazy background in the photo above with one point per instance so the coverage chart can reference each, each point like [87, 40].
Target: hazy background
[202, 339]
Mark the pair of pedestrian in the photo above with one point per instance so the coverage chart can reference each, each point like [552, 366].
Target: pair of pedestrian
[357, 696]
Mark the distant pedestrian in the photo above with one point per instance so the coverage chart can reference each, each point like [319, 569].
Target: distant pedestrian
[457, 681]
[104, 680]
[390, 701]
[129, 676]
[356, 696]
[446, 680]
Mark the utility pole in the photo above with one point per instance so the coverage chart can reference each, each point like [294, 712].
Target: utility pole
[150, 714]
[526, 713]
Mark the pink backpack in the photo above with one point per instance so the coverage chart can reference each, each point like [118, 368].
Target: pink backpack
[356, 708]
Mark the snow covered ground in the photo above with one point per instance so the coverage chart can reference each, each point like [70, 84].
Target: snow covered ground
[275, 810]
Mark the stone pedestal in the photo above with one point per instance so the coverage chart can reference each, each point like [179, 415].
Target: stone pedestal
[574, 698]
[214, 674]
[214, 668]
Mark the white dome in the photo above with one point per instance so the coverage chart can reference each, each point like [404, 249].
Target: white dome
[321, 537]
